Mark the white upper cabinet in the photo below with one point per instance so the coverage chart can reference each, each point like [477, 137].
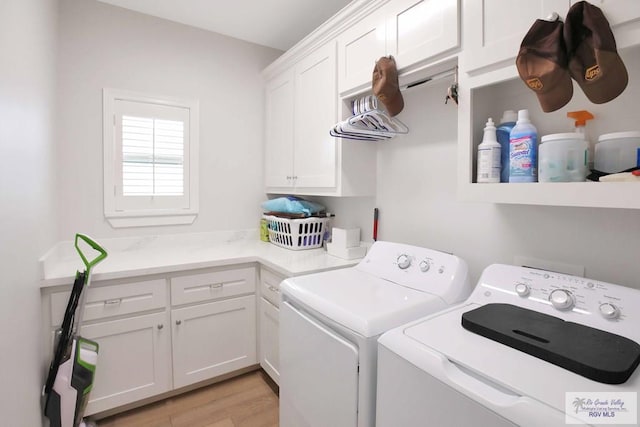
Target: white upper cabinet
[412, 31]
[421, 29]
[358, 49]
[316, 103]
[279, 130]
[623, 16]
[300, 155]
[493, 29]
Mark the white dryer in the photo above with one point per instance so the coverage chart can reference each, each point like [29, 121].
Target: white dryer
[330, 323]
[528, 348]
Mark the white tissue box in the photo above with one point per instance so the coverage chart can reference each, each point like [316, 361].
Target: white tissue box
[346, 253]
[345, 237]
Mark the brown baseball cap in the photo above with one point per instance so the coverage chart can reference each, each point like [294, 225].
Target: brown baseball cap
[542, 64]
[385, 85]
[594, 61]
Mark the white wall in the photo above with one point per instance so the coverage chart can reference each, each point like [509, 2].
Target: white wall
[416, 195]
[105, 46]
[27, 216]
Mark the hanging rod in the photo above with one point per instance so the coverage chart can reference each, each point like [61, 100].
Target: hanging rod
[434, 77]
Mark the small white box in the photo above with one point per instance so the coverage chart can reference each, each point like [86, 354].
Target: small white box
[346, 253]
[345, 237]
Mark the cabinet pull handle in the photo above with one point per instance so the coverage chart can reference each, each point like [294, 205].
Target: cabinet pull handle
[160, 326]
[216, 285]
[289, 177]
[274, 289]
[113, 301]
[178, 322]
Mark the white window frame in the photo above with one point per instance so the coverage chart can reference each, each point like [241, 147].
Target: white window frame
[180, 210]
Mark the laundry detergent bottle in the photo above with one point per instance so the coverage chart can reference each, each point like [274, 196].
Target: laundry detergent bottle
[523, 150]
[503, 131]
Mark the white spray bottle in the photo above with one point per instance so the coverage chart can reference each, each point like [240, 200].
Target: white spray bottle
[489, 155]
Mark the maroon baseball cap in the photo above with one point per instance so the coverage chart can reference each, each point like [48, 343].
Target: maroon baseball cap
[385, 85]
[543, 64]
[594, 61]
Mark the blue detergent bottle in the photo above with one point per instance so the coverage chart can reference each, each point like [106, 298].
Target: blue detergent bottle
[523, 150]
[503, 131]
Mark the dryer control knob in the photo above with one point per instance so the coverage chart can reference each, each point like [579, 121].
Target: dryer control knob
[424, 266]
[522, 289]
[562, 299]
[609, 311]
[403, 261]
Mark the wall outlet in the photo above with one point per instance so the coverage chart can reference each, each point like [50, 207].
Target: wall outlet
[555, 266]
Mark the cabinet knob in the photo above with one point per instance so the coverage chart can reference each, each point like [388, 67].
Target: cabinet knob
[216, 285]
[289, 177]
[274, 289]
[160, 326]
[178, 322]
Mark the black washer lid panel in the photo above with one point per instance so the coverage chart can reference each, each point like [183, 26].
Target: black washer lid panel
[595, 354]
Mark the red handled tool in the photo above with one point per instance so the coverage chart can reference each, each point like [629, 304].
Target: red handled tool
[375, 224]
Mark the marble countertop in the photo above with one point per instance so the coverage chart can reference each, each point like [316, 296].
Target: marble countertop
[139, 256]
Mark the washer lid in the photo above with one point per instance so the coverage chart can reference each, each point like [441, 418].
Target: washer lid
[504, 368]
[365, 304]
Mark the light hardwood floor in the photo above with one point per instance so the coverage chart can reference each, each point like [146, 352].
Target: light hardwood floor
[244, 401]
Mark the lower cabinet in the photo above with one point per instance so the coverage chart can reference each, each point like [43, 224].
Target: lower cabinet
[134, 360]
[269, 323]
[212, 339]
[162, 333]
[269, 339]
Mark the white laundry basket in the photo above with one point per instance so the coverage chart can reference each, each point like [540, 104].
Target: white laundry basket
[296, 234]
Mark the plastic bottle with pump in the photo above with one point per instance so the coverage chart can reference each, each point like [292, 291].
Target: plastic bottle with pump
[523, 150]
[503, 130]
[489, 155]
[581, 118]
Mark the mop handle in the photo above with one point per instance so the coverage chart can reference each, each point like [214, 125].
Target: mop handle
[89, 265]
[94, 245]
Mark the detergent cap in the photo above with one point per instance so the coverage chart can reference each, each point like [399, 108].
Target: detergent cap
[509, 116]
[580, 117]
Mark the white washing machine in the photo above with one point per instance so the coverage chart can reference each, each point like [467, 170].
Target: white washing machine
[330, 321]
[528, 348]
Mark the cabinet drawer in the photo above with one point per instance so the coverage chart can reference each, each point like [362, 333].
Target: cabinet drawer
[211, 286]
[270, 286]
[113, 300]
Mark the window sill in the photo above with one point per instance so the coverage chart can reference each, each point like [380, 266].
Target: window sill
[148, 220]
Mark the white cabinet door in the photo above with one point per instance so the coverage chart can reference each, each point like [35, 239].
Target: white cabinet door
[279, 118]
[617, 11]
[213, 339]
[623, 17]
[269, 336]
[494, 28]
[421, 29]
[358, 49]
[316, 106]
[133, 360]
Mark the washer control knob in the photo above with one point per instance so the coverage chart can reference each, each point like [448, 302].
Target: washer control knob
[403, 261]
[424, 266]
[523, 289]
[609, 311]
[562, 299]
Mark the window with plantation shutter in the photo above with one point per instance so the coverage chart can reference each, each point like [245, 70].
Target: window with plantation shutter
[150, 159]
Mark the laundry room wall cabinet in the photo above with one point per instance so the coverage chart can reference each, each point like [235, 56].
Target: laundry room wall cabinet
[489, 84]
[311, 85]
